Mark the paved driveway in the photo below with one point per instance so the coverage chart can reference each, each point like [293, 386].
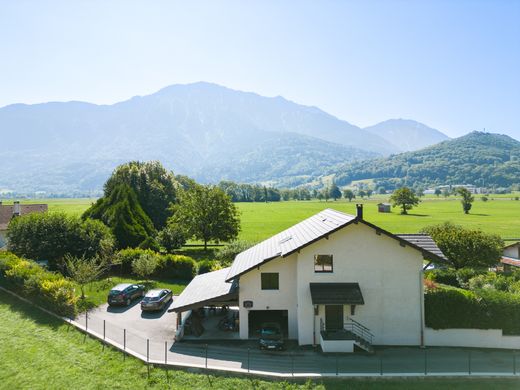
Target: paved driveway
[146, 325]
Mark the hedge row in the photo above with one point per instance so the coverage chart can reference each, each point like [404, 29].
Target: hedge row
[483, 309]
[168, 266]
[50, 290]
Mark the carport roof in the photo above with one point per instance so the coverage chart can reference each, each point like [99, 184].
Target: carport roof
[204, 289]
[336, 294]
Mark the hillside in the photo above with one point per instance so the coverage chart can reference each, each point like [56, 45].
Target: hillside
[482, 159]
[407, 135]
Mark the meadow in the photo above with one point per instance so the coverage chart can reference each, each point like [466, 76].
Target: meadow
[41, 352]
[500, 214]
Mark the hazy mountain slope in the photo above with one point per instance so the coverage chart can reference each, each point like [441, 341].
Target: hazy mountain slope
[407, 135]
[482, 159]
[203, 130]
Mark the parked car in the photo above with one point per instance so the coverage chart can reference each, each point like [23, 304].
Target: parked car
[271, 336]
[156, 299]
[125, 293]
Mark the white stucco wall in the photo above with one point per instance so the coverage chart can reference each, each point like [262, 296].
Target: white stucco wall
[477, 338]
[282, 299]
[389, 277]
[513, 251]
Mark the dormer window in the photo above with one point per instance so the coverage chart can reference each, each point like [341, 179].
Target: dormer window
[323, 263]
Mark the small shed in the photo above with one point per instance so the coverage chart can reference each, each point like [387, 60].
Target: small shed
[383, 207]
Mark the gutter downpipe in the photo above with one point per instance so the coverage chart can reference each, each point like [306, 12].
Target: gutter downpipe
[421, 294]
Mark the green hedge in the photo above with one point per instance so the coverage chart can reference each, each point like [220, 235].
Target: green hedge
[46, 288]
[453, 277]
[168, 266]
[483, 309]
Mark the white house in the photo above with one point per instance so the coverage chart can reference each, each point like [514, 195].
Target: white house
[333, 279]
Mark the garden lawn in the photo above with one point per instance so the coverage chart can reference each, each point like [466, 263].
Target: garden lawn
[39, 351]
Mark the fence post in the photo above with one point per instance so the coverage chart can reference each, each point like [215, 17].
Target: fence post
[292, 363]
[381, 365]
[104, 329]
[124, 344]
[514, 362]
[86, 321]
[337, 367]
[425, 362]
[469, 362]
[248, 357]
[206, 355]
[148, 356]
[166, 352]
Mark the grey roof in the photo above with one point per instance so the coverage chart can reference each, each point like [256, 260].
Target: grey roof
[290, 240]
[204, 288]
[336, 294]
[423, 241]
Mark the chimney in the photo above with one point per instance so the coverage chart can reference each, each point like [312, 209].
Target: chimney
[16, 208]
[359, 208]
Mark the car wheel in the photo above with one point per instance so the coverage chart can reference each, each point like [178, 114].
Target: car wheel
[128, 301]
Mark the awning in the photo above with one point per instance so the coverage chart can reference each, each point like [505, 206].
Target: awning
[207, 289]
[336, 294]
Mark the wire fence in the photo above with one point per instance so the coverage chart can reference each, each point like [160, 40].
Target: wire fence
[298, 361]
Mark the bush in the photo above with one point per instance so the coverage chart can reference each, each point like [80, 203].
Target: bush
[227, 254]
[443, 275]
[176, 267]
[480, 309]
[206, 266]
[48, 289]
[150, 243]
[145, 265]
[172, 237]
[126, 257]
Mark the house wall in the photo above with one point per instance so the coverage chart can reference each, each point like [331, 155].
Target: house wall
[476, 338]
[389, 276]
[282, 299]
[513, 252]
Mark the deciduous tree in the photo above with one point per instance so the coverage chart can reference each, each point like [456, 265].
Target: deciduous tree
[404, 198]
[349, 194]
[467, 199]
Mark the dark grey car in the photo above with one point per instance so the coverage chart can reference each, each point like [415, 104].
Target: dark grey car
[125, 293]
[156, 299]
[271, 336]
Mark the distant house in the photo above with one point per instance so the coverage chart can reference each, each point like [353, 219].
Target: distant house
[511, 256]
[333, 280]
[10, 211]
[384, 207]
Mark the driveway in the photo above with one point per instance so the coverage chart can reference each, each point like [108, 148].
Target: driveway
[119, 319]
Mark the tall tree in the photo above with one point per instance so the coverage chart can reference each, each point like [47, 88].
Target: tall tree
[349, 194]
[467, 199]
[466, 247]
[155, 187]
[122, 212]
[207, 214]
[404, 198]
[335, 192]
[145, 265]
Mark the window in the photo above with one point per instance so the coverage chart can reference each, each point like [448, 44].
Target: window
[322, 263]
[270, 281]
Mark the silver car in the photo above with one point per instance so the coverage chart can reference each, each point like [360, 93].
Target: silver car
[156, 299]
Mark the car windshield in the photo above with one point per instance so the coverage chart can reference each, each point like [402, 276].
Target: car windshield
[270, 333]
[151, 299]
[115, 292]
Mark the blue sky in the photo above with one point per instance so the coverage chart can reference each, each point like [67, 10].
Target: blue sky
[454, 65]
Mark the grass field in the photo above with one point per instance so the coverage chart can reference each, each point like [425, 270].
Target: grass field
[41, 352]
[501, 214]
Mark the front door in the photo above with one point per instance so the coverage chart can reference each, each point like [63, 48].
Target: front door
[333, 317]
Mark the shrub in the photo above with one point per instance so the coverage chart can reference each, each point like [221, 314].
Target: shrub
[150, 243]
[177, 267]
[126, 257]
[227, 254]
[46, 288]
[172, 237]
[206, 266]
[145, 265]
[443, 275]
[465, 274]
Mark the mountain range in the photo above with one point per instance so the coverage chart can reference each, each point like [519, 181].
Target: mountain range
[202, 130]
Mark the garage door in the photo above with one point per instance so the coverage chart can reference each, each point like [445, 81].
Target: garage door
[258, 317]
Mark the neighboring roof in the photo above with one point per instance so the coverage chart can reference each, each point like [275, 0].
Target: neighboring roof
[290, 240]
[204, 289]
[510, 261]
[513, 244]
[7, 211]
[423, 241]
[312, 229]
[336, 294]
